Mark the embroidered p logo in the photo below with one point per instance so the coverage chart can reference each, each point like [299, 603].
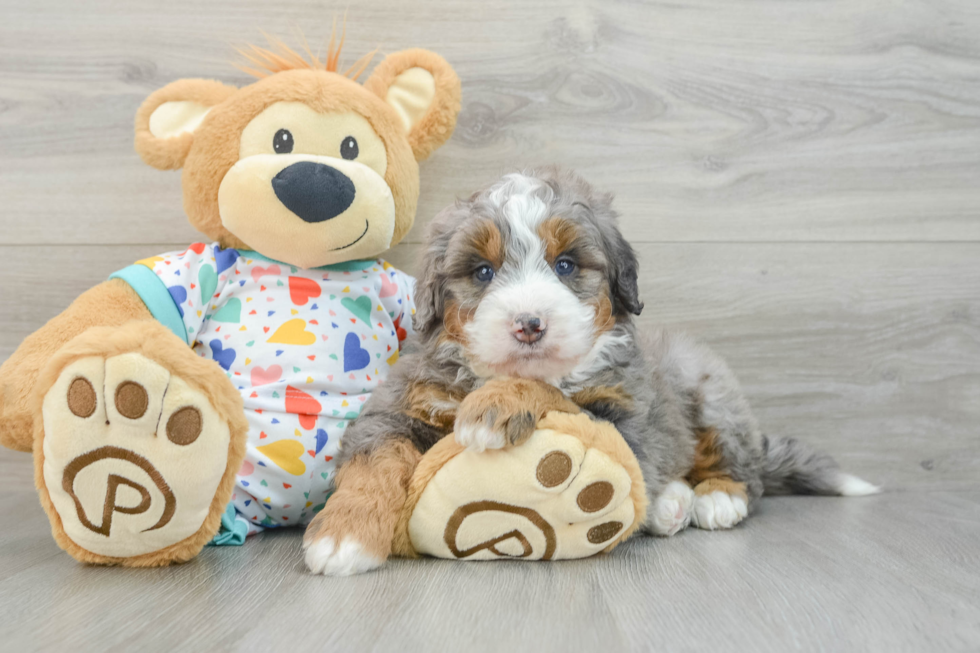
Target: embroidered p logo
[110, 507]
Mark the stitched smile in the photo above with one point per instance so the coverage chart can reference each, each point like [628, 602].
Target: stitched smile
[367, 226]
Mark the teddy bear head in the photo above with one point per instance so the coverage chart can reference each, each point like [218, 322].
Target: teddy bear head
[306, 165]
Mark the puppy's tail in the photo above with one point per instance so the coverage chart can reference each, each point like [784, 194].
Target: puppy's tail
[792, 467]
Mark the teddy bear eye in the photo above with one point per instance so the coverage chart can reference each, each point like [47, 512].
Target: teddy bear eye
[349, 149]
[282, 142]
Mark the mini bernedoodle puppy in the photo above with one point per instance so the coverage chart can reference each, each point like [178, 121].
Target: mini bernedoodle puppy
[528, 291]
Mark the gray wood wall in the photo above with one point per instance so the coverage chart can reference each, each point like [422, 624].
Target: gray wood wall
[801, 180]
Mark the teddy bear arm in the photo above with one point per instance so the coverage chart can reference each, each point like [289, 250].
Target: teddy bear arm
[110, 303]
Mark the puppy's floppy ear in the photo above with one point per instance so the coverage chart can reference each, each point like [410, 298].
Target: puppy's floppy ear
[166, 120]
[424, 91]
[430, 289]
[623, 266]
[624, 282]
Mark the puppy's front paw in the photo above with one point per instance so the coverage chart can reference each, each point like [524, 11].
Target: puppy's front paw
[480, 427]
[324, 556]
[505, 411]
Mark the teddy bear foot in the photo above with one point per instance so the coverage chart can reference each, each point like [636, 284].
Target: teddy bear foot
[570, 491]
[135, 461]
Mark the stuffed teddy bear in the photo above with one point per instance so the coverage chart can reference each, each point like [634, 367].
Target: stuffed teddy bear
[211, 387]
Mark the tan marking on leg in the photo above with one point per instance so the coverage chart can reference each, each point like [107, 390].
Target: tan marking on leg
[614, 396]
[708, 459]
[722, 484]
[431, 404]
[370, 495]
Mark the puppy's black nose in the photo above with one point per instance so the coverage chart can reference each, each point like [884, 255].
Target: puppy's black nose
[313, 191]
[528, 328]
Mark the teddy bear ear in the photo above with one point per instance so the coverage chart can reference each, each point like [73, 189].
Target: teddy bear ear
[424, 91]
[166, 121]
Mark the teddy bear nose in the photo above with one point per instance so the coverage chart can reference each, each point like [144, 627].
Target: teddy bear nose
[313, 191]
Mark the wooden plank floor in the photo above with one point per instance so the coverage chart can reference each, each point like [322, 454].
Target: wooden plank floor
[801, 181]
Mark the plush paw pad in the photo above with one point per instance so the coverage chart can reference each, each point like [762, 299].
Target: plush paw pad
[550, 498]
[718, 510]
[133, 455]
[324, 556]
[671, 510]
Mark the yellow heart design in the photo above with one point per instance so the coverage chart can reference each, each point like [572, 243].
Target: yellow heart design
[286, 453]
[293, 332]
[149, 262]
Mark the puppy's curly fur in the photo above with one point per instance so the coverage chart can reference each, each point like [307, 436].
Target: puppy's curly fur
[528, 289]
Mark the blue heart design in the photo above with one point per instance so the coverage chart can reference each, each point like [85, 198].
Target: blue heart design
[248, 501]
[225, 258]
[321, 439]
[224, 357]
[179, 295]
[355, 356]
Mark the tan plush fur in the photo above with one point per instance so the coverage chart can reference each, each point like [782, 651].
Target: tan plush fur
[437, 125]
[154, 341]
[169, 154]
[598, 435]
[109, 304]
[369, 498]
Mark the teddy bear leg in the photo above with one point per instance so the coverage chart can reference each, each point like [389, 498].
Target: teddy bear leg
[573, 489]
[354, 532]
[136, 446]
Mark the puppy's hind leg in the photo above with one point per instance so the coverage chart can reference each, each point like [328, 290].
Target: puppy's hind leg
[720, 501]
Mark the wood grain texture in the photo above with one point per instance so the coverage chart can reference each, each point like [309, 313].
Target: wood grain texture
[712, 120]
[800, 180]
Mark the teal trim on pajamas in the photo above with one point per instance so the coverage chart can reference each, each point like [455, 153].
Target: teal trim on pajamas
[155, 295]
[233, 529]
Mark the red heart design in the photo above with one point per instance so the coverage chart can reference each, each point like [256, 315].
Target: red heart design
[265, 376]
[302, 289]
[262, 434]
[287, 486]
[198, 248]
[258, 272]
[266, 329]
[311, 452]
[304, 405]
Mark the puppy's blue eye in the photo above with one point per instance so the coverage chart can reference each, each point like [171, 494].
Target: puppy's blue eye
[564, 267]
[483, 273]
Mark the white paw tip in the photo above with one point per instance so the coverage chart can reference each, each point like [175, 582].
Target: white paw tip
[478, 437]
[849, 485]
[672, 509]
[325, 557]
[718, 510]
